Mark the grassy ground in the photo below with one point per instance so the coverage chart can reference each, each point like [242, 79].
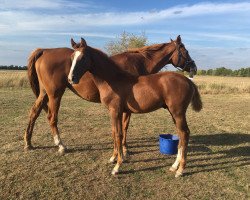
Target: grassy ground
[13, 78]
[218, 158]
[223, 84]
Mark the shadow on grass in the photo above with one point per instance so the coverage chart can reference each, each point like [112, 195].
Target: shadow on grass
[44, 147]
[208, 160]
[132, 144]
[231, 156]
[221, 139]
[234, 151]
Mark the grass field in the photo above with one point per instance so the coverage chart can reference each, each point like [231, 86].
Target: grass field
[206, 84]
[218, 159]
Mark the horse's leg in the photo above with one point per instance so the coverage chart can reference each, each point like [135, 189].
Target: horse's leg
[113, 157]
[175, 166]
[53, 108]
[116, 121]
[125, 123]
[183, 132]
[34, 113]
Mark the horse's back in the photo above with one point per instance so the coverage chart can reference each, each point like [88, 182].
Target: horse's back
[56, 55]
[53, 66]
[169, 85]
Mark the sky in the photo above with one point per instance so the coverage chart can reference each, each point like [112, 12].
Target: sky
[216, 33]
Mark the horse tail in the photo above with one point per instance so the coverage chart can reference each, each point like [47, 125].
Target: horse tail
[196, 100]
[32, 75]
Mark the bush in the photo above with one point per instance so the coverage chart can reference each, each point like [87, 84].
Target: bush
[124, 42]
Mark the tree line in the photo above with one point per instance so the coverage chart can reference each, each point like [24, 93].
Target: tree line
[223, 71]
[13, 67]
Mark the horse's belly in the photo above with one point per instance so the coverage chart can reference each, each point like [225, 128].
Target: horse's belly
[143, 101]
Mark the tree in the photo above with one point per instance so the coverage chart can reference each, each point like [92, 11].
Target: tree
[124, 42]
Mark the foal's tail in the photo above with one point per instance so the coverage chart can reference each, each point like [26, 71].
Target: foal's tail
[196, 100]
[32, 75]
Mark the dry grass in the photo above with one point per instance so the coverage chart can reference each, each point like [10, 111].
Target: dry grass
[206, 84]
[218, 158]
[13, 78]
[222, 85]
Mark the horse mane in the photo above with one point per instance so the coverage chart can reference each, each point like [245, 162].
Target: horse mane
[147, 51]
[154, 47]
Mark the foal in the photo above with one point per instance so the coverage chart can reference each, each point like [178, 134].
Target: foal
[121, 92]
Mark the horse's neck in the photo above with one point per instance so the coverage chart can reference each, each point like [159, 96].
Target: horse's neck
[159, 58]
[105, 69]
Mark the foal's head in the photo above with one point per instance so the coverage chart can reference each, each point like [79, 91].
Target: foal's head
[79, 59]
[181, 58]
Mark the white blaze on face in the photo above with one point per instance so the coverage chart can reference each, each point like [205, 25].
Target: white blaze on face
[76, 55]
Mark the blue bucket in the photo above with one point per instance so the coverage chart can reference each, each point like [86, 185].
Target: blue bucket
[168, 144]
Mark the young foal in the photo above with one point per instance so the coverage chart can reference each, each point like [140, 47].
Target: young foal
[121, 92]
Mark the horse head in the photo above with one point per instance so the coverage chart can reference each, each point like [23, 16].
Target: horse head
[79, 59]
[181, 58]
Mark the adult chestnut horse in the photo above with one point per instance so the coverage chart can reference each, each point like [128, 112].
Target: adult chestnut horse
[48, 71]
[122, 92]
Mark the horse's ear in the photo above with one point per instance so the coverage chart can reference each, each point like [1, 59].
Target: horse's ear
[73, 44]
[83, 43]
[171, 40]
[178, 39]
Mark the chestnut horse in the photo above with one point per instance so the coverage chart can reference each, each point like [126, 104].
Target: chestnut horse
[122, 92]
[48, 71]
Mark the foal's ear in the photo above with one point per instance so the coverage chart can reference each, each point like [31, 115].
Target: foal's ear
[73, 44]
[178, 39]
[83, 43]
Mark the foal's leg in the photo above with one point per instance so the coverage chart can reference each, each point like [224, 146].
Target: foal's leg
[125, 123]
[34, 113]
[53, 108]
[113, 157]
[116, 120]
[183, 132]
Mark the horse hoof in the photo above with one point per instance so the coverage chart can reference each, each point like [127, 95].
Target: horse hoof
[178, 174]
[28, 148]
[112, 160]
[114, 172]
[172, 169]
[62, 151]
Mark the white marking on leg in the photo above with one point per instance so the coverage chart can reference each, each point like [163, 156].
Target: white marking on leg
[57, 140]
[178, 174]
[178, 159]
[61, 148]
[77, 54]
[115, 170]
[112, 159]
